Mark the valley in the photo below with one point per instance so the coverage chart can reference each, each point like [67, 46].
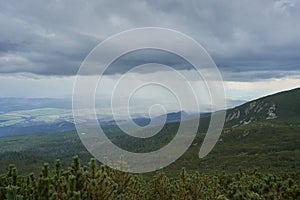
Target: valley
[261, 134]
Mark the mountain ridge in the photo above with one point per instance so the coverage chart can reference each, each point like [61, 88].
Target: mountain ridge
[282, 107]
[266, 144]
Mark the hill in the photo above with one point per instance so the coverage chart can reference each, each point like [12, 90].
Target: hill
[283, 107]
[263, 134]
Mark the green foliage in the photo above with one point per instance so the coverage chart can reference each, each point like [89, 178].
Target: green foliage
[267, 146]
[101, 182]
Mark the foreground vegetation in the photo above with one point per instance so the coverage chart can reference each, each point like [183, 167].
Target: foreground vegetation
[101, 182]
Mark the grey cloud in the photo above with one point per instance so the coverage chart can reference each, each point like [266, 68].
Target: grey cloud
[242, 36]
[8, 46]
[144, 56]
[259, 75]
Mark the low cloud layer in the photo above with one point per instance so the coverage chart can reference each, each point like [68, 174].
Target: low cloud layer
[53, 38]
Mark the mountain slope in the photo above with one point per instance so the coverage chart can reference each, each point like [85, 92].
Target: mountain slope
[283, 107]
[263, 133]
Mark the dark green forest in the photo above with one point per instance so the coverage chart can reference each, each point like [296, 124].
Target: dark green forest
[262, 165]
[269, 147]
[93, 181]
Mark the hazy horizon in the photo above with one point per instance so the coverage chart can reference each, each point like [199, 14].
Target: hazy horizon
[42, 47]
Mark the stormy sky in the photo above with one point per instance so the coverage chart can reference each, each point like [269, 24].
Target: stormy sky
[254, 43]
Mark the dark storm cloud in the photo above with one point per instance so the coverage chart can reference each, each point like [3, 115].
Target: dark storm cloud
[242, 36]
[139, 57]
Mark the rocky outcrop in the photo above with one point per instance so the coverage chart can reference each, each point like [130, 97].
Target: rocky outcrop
[251, 112]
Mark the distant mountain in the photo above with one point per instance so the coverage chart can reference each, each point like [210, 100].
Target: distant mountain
[282, 107]
[144, 121]
[42, 120]
[167, 118]
[26, 116]
[262, 134]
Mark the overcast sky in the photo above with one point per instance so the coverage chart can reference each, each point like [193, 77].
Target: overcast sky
[254, 43]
